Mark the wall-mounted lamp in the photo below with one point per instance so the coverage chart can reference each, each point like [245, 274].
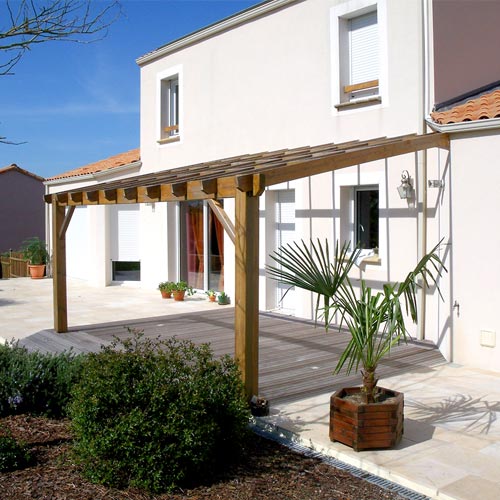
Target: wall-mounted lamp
[406, 189]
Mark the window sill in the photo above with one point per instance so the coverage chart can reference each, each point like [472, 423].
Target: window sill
[373, 260]
[168, 140]
[358, 103]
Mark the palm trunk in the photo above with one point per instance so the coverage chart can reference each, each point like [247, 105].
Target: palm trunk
[369, 385]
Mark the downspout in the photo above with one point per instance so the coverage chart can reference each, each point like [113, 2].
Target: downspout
[48, 225]
[422, 177]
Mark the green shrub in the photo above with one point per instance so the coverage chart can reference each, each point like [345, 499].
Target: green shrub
[36, 383]
[157, 415]
[13, 455]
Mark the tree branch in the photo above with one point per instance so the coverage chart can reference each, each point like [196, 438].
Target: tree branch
[39, 21]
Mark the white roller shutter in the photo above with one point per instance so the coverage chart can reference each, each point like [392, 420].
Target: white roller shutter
[77, 245]
[363, 48]
[125, 233]
[285, 233]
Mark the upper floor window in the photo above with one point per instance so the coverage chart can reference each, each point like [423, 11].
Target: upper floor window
[356, 54]
[170, 108]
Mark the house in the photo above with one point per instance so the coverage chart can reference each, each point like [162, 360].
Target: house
[318, 84]
[22, 210]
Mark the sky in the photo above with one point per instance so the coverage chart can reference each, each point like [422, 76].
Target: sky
[71, 104]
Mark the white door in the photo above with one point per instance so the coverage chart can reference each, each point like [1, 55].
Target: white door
[78, 257]
[285, 233]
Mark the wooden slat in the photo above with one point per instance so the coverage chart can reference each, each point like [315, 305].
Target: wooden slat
[223, 218]
[246, 321]
[66, 221]
[346, 159]
[360, 86]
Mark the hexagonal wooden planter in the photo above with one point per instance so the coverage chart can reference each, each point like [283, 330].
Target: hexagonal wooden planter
[365, 426]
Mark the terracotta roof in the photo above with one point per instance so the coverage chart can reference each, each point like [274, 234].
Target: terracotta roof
[99, 166]
[483, 107]
[15, 168]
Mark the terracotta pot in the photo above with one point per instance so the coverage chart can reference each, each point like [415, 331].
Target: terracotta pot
[178, 294]
[36, 271]
[365, 426]
[166, 295]
[212, 298]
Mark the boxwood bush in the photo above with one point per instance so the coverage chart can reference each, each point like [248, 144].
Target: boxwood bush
[34, 382]
[13, 455]
[157, 414]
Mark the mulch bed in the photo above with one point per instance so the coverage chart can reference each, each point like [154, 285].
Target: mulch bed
[270, 471]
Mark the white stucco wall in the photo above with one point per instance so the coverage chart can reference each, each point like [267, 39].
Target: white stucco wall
[475, 268]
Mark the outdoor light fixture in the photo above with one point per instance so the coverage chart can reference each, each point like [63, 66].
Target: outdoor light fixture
[405, 190]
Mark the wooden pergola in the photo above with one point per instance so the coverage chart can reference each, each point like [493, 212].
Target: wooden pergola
[243, 178]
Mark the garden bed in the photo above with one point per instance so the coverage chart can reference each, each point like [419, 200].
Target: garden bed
[268, 471]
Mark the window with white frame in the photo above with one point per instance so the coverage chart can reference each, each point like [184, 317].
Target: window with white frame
[366, 217]
[359, 56]
[170, 108]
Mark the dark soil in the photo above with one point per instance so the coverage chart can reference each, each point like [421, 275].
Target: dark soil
[270, 471]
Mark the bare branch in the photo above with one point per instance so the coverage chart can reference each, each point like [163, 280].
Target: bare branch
[38, 21]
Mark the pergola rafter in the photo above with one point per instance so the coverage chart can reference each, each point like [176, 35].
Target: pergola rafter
[243, 178]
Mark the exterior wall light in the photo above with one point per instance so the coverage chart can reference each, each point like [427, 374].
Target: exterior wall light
[406, 189]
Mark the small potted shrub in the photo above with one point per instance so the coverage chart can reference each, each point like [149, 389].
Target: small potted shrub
[212, 295]
[35, 250]
[179, 290]
[223, 299]
[165, 288]
[368, 416]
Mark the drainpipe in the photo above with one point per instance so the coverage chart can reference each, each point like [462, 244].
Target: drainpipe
[48, 239]
[422, 164]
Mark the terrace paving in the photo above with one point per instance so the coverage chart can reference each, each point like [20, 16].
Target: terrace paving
[451, 444]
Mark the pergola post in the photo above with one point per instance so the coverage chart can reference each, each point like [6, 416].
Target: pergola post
[246, 321]
[59, 267]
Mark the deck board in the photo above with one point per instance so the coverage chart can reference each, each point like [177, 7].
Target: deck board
[296, 361]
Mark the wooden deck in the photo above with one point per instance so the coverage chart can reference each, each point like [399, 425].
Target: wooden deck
[296, 359]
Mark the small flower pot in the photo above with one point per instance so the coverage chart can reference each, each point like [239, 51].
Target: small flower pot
[259, 407]
[178, 294]
[212, 298]
[36, 271]
[166, 295]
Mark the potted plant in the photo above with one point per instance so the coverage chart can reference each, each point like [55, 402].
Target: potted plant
[35, 251]
[368, 416]
[223, 299]
[212, 295]
[179, 290]
[165, 288]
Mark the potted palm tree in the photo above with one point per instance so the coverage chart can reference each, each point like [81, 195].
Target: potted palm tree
[368, 416]
[35, 250]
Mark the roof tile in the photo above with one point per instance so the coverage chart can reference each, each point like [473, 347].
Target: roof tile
[484, 107]
[99, 166]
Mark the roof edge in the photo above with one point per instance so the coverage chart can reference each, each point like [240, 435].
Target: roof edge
[470, 126]
[16, 168]
[214, 29]
[93, 175]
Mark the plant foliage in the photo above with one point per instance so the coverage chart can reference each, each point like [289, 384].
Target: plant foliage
[375, 319]
[36, 383]
[157, 414]
[13, 455]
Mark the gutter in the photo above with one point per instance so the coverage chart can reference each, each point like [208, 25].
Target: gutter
[216, 28]
[451, 128]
